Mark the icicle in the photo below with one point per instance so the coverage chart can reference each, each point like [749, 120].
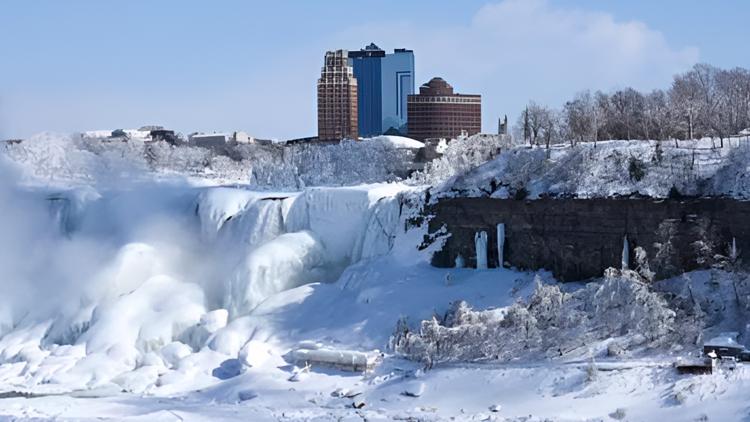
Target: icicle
[625, 253]
[480, 245]
[500, 244]
[459, 263]
[733, 250]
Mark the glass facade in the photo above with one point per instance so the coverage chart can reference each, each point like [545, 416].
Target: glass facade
[397, 85]
[384, 82]
[367, 70]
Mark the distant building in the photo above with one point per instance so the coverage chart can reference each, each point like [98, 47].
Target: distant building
[337, 98]
[366, 64]
[437, 112]
[165, 135]
[383, 83]
[241, 137]
[398, 84]
[149, 128]
[502, 125]
[209, 140]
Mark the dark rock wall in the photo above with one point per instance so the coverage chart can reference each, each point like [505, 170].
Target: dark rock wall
[578, 239]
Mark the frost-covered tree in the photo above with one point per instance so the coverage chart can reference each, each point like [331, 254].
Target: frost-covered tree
[552, 323]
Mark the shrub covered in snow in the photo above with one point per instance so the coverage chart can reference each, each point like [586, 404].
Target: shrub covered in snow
[551, 323]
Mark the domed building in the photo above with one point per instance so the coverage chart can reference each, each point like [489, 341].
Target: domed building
[438, 112]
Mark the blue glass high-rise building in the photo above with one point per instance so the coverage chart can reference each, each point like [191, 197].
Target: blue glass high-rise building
[367, 70]
[397, 84]
[384, 82]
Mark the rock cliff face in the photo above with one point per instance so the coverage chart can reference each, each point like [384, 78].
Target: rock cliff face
[577, 239]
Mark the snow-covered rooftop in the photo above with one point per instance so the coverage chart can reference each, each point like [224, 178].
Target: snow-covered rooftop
[398, 141]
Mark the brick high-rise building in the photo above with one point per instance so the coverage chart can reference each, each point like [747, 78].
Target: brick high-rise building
[337, 98]
[437, 112]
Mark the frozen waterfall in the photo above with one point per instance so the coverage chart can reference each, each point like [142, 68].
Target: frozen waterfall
[284, 242]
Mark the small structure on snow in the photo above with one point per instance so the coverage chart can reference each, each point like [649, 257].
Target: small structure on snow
[347, 360]
[725, 345]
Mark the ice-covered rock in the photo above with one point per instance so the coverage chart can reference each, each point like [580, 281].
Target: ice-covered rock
[254, 353]
[414, 389]
[174, 352]
[227, 341]
[216, 206]
[245, 395]
[214, 320]
[151, 316]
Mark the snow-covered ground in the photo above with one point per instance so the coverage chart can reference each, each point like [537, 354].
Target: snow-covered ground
[135, 299]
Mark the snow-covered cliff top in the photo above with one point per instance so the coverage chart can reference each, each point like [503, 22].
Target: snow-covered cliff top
[611, 168]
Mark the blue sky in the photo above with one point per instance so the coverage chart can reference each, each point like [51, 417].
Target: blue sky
[252, 65]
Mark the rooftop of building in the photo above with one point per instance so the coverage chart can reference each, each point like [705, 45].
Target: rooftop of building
[372, 50]
[437, 86]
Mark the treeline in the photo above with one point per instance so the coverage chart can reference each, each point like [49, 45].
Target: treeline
[704, 101]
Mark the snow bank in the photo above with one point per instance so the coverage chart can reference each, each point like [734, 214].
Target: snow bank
[398, 141]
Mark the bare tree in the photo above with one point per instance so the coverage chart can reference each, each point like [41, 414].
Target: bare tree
[704, 101]
[685, 98]
[579, 119]
[627, 107]
[551, 127]
[533, 120]
[658, 117]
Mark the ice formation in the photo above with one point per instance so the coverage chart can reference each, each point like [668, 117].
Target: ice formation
[500, 245]
[163, 272]
[480, 245]
[625, 253]
[460, 263]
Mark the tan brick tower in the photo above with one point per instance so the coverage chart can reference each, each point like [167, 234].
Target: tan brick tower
[337, 98]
